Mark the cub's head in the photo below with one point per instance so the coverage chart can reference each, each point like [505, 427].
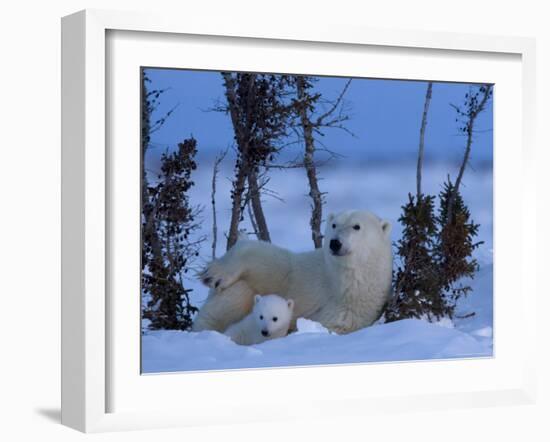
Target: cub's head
[353, 233]
[272, 315]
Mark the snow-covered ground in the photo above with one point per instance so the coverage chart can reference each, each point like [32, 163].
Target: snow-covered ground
[379, 187]
[409, 339]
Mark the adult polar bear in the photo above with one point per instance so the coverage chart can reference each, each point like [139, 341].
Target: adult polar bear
[344, 285]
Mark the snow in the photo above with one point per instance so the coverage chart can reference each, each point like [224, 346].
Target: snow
[485, 332]
[381, 188]
[308, 326]
[312, 344]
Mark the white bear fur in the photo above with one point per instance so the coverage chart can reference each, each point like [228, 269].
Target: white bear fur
[344, 292]
[269, 319]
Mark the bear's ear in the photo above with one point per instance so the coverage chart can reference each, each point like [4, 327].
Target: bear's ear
[330, 217]
[290, 304]
[257, 299]
[386, 227]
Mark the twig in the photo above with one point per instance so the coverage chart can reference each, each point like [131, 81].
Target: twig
[252, 220]
[254, 191]
[474, 110]
[335, 104]
[217, 161]
[421, 142]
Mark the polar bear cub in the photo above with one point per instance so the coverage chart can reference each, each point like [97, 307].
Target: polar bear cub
[270, 318]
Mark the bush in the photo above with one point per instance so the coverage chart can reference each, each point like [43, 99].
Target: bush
[435, 255]
[168, 249]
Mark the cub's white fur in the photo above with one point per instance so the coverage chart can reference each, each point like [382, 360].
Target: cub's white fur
[344, 287]
[269, 319]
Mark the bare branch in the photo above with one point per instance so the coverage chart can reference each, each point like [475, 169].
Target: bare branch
[311, 171]
[252, 220]
[157, 125]
[421, 142]
[334, 105]
[254, 191]
[474, 107]
[240, 178]
[217, 161]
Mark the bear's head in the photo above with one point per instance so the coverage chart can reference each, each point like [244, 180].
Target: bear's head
[272, 314]
[354, 234]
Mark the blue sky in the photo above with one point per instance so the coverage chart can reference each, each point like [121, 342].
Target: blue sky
[385, 117]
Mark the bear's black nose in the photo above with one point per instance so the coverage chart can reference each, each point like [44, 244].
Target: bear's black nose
[264, 333]
[335, 245]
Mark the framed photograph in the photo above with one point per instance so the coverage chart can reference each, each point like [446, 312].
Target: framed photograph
[287, 217]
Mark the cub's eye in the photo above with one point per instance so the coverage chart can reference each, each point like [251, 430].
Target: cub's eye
[275, 318]
[356, 226]
[261, 317]
[334, 226]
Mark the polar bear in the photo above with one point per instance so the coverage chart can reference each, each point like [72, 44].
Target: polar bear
[344, 285]
[269, 319]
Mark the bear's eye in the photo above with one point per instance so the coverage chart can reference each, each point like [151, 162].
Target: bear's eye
[334, 226]
[356, 226]
[274, 318]
[261, 317]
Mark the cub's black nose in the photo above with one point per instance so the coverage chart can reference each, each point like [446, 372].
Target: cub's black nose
[335, 245]
[264, 333]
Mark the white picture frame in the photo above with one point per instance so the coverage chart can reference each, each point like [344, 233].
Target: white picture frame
[87, 354]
